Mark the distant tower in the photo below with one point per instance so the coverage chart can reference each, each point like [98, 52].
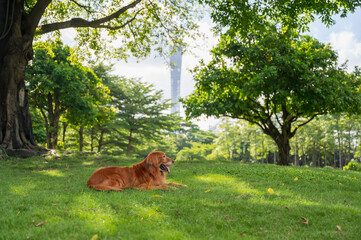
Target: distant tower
[175, 76]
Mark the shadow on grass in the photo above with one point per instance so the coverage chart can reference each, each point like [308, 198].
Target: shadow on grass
[224, 200]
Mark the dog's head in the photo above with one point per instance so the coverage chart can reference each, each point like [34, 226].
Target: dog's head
[159, 160]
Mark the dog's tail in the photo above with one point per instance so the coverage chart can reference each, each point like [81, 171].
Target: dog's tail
[101, 187]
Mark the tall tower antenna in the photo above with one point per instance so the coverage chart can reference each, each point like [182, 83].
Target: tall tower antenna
[175, 76]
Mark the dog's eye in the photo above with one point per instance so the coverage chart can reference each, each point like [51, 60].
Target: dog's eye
[164, 156]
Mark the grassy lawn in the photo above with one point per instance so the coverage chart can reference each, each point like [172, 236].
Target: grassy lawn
[48, 199]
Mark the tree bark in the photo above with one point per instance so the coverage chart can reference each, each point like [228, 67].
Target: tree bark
[15, 52]
[284, 148]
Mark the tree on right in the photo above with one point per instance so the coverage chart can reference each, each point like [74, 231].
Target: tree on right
[277, 79]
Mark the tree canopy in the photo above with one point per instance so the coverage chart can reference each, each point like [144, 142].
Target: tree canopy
[273, 79]
[60, 85]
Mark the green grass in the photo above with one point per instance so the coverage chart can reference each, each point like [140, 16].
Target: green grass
[224, 200]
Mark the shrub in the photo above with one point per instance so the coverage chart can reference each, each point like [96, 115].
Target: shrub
[353, 165]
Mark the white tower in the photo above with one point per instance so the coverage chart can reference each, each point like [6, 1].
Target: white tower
[175, 76]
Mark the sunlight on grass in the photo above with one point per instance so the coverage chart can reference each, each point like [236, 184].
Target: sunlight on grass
[236, 185]
[88, 163]
[23, 190]
[147, 212]
[216, 178]
[98, 216]
[52, 173]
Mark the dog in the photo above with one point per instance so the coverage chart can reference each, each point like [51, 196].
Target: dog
[148, 174]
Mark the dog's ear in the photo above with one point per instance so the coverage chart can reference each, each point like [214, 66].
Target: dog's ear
[151, 159]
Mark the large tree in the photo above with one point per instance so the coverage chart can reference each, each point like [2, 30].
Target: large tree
[273, 79]
[140, 25]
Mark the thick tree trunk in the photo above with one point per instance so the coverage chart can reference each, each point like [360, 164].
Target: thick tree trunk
[284, 148]
[15, 52]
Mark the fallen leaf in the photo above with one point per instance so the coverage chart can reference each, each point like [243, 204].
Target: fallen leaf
[296, 179]
[219, 201]
[287, 208]
[314, 181]
[339, 228]
[39, 224]
[340, 183]
[305, 220]
[177, 211]
[243, 234]
[270, 190]
[66, 188]
[157, 196]
[227, 218]
[95, 237]
[207, 191]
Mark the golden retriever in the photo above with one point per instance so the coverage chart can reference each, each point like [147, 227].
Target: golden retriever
[148, 174]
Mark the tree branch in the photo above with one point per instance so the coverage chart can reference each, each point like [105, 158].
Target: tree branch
[97, 23]
[82, 6]
[304, 123]
[36, 13]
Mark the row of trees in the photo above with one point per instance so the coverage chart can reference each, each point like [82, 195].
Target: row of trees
[330, 140]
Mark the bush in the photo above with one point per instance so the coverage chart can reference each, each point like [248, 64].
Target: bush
[353, 166]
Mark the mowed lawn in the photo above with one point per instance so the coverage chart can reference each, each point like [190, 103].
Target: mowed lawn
[47, 198]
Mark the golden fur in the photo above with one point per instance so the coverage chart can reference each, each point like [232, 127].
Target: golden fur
[148, 174]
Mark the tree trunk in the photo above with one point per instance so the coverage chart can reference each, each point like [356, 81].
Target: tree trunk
[92, 137]
[325, 153]
[130, 142]
[283, 144]
[275, 158]
[100, 142]
[297, 157]
[65, 125]
[15, 52]
[81, 138]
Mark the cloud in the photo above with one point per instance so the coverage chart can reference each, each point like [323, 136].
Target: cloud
[348, 48]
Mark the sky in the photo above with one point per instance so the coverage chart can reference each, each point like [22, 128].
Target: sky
[344, 37]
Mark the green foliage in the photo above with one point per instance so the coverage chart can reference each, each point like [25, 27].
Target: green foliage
[224, 200]
[59, 85]
[145, 26]
[273, 79]
[140, 116]
[38, 126]
[353, 166]
[198, 151]
[251, 16]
